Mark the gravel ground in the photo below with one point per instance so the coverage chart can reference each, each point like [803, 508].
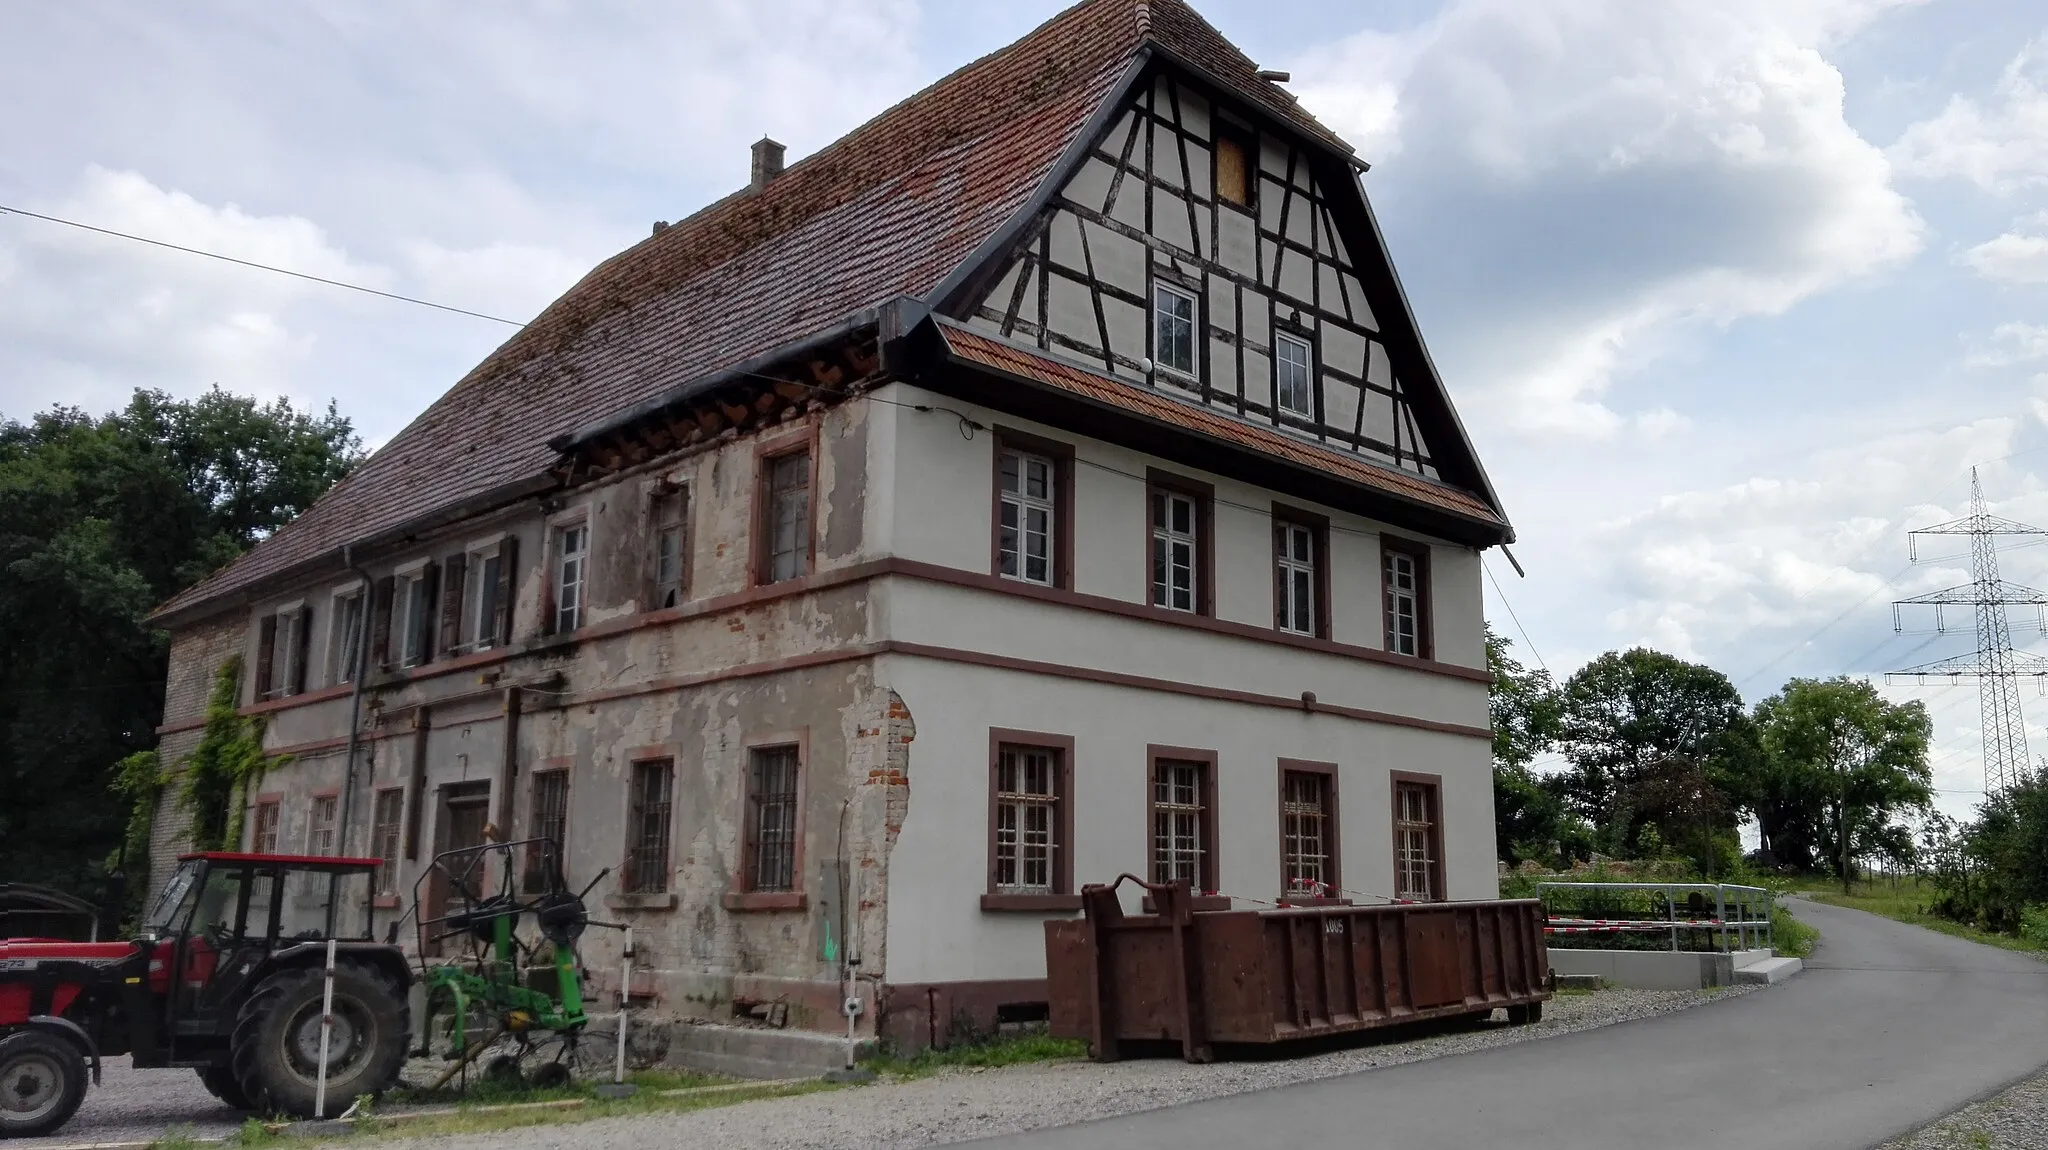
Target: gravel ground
[2016, 1119]
[138, 1105]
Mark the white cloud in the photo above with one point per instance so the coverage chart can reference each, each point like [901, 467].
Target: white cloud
[511, 281]
[2010, 343]
[2019, 256]
[86, 317]
[2000, 145]
[1600, 180]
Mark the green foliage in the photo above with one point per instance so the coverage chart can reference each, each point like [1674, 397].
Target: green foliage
[1029, 1047]
[1790, 936]
[102, 518]
[1840, 768]
[1531, 818]
[227, 761]
[139, 782]
[1993, 873]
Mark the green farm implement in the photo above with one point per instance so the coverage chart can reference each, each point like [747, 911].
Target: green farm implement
[484, 973]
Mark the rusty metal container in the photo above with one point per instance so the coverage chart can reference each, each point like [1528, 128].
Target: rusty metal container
[1268, 976]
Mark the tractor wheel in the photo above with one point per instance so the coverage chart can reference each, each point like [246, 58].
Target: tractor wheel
[275, 1051]
[42, 1081]
[220, 1082]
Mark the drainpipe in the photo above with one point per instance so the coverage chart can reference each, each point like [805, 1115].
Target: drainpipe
[355, 696]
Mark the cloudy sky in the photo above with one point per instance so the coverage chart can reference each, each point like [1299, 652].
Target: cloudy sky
[1731, 295]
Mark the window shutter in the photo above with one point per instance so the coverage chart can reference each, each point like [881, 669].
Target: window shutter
[305, 645]
[266, 643]
[1279, 575]
[431, 617]
[453, 569]
[508, 563]
[1425, 647]
[380, 625]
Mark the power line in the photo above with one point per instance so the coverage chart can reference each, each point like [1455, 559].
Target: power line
[1523, 631]
[4, 210]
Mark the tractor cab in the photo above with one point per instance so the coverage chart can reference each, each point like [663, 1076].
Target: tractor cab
[226, 916]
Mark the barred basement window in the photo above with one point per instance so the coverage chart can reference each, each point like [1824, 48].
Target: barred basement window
[1027, 819]
[771, 819]
[1416, 850]
[548, 819]
[1307, 858]
[1181, 824]
[386, 818]
[647, 820]
[263, 828]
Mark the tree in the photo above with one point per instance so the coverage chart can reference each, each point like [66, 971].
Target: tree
[1529, 813]
[102, 518]
[1654, 742]
[1840, 766]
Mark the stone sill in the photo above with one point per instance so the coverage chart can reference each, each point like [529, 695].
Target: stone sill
[751, 900]
[657, 901]
[1030, 903]
[1200, 901]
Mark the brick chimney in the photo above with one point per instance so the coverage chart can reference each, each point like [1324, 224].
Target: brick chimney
[767, 162]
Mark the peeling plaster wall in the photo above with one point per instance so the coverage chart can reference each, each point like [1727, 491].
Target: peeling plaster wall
[196, 657]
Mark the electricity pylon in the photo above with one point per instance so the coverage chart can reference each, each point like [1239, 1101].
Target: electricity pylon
[1994, 664]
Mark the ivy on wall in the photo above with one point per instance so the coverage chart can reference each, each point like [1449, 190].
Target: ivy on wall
[228, 761]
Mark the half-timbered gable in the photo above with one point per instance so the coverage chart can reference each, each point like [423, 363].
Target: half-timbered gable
[1196, 249]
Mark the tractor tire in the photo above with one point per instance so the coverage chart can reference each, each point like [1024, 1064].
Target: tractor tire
[220, 1081]
[42, 1081]
[275, 1050]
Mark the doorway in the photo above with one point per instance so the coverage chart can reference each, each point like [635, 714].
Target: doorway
[460, 817]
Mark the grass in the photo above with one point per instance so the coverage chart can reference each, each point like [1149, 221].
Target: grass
[480, 1118]
[1906, 901]
[1030, 1047]
[484, 1092]
[1790, 936]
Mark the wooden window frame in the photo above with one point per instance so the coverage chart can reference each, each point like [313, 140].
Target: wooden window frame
[386, 881]
[661, 757]
[1196, 336]
[274, 801]
[1063, 896]
[477, 629]
[743, 896]
[1425, 644]
[658, 496]
[761, 556]
[1440, 892]
[1281, 412]
[1062, 456]
[323, 795]
[1204, 495]
[1318, 527]
[1333, 832]
[567, 521]
[1211, 865]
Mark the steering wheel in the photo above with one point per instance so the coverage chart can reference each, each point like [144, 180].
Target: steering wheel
[217, 934]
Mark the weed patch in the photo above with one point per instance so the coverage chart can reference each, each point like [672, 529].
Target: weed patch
[1908, 901]
[1037, 1047]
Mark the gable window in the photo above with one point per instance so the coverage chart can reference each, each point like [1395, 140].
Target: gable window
[320, 828]
[385, 820]
[263, 827]
[1404, 582]
[549, 819]
[1293, 375]
[345, 636]
[1025, 856]
[1308, 831]
[786, 516]
[572, 557]
[771, 818]
[647, 820]
[1183, 819]
[1418, 837]
[1300, 578]
[281, 653]
[1233, 169]
[670, 516]
[1179, 513]
[1173, 329]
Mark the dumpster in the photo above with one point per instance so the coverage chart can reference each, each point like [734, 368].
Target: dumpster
[1273, 976]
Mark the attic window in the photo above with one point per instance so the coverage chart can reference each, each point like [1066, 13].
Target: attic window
[1233, 168]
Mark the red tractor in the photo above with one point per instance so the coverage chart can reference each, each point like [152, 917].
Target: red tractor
[227, 979]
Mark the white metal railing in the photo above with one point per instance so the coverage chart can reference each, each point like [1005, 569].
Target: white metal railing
[1723, 911]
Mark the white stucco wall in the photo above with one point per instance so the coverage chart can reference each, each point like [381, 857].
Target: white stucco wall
[937, 931]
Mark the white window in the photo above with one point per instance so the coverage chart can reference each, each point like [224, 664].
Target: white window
[288, 653]
[484, 572]
[1025, 535]
[320, 828]
[345, 636]
[1294, 558]
[572, 556]
[671, 513]
[1174, 554]
[1173, 329]
[1402, 574]
[1027, 819]
[410, 607]
[1293, 373]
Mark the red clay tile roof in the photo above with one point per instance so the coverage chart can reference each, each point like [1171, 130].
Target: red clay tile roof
[989, 351]
[887, 210]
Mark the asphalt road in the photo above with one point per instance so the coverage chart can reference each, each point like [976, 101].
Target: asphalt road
[1889, 1027]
